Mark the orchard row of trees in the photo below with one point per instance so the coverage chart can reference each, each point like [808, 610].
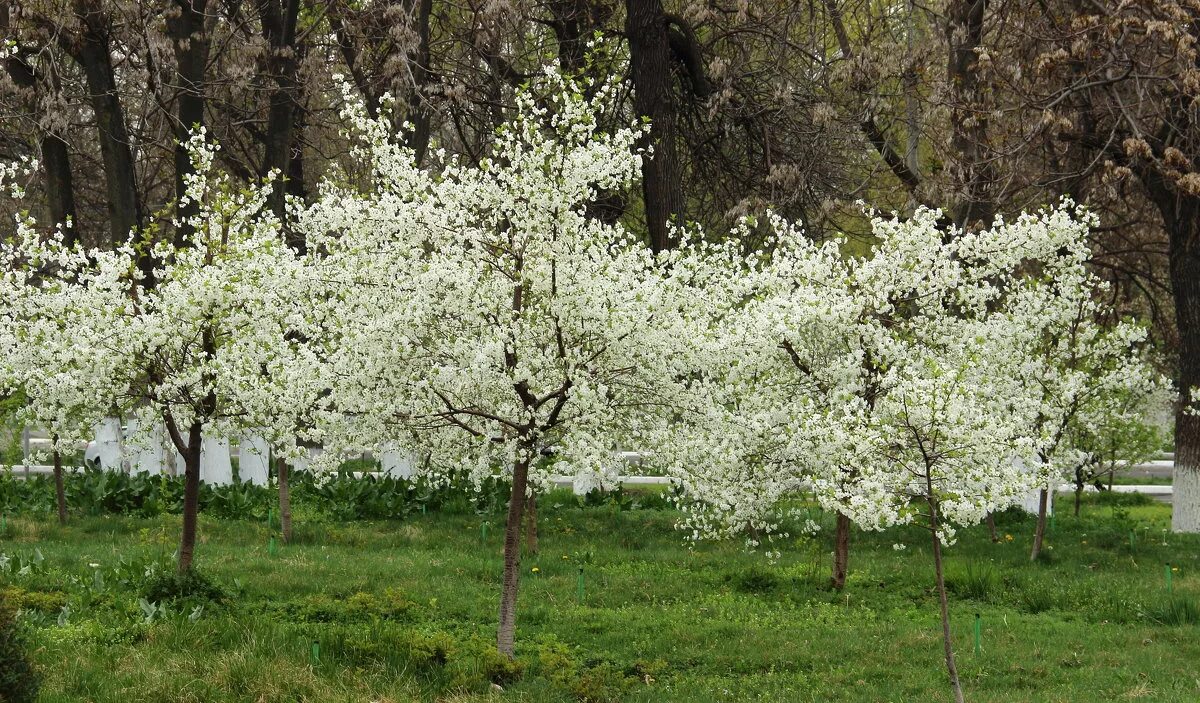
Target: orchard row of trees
[982, 107]
[483, 313]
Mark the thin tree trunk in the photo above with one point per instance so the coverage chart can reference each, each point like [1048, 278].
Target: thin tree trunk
[841, 552]
[190, 448]
[948, 644]
[285, 501]
[1040, 533]
[991, 523]
[60, 491]
[531, 526]
[506, 632]
[1078, 497]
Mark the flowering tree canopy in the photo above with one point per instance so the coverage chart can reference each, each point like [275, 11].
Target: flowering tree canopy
[487, 316]
[863, 378]
[203, 346]
[898, 387]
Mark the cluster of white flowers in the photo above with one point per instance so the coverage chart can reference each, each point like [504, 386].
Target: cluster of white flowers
[926, 376]
[207, 343]
[481, 316]
[484, 317]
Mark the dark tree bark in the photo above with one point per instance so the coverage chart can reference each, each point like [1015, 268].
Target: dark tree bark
[968, 119]
[285, 500]
[1080, 478]
[189, 447]
[947, 643]
[278, 18]
[841, 552]
[60, 492]
[419, 58]
[507, 630]
[531, 527]
[365, 70]
[191, 44]
[654, 98]
[351, 55]
[92, 51]
[55, 159]
[991, 524]
[1181, 215]
[573, 24]
[60, 189]
[1039, 533]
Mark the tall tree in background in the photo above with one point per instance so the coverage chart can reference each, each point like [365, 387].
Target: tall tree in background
[1114, 85]
[187, 30]
[278, 19]
[39, 89]
[971, 169]
[654, 99]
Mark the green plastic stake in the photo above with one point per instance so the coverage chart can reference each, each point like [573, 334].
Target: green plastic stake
[422, 508]
[271, 547]
[483, 531]
[978, 633]
[579, 587]
[1167, 571]
[270, 516]
[316, 652]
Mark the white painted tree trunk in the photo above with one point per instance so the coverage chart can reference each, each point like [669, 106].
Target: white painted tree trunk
[147, 448]
[302, 463]
[107, 447]
[254, 456]
[1185, 499]
[398, 463]
[215, 467]
[1031, 501]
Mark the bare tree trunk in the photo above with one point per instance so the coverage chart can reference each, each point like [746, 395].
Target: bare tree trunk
[420, 59]
[60, 492]
[948, 644]
[841, 552]
[190, 448]
[60, 190]
[1182, 215]
[1078, 497]
[506, 633]
[56, 162]
[191, 43]
[285, 500]
[94, 54]
[1040, 533]
[279, 19]
[531, 527]
[971, 166]
[991, 523]
[654, 97]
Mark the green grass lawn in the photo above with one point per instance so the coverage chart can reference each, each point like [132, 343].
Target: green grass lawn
[405, 611]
